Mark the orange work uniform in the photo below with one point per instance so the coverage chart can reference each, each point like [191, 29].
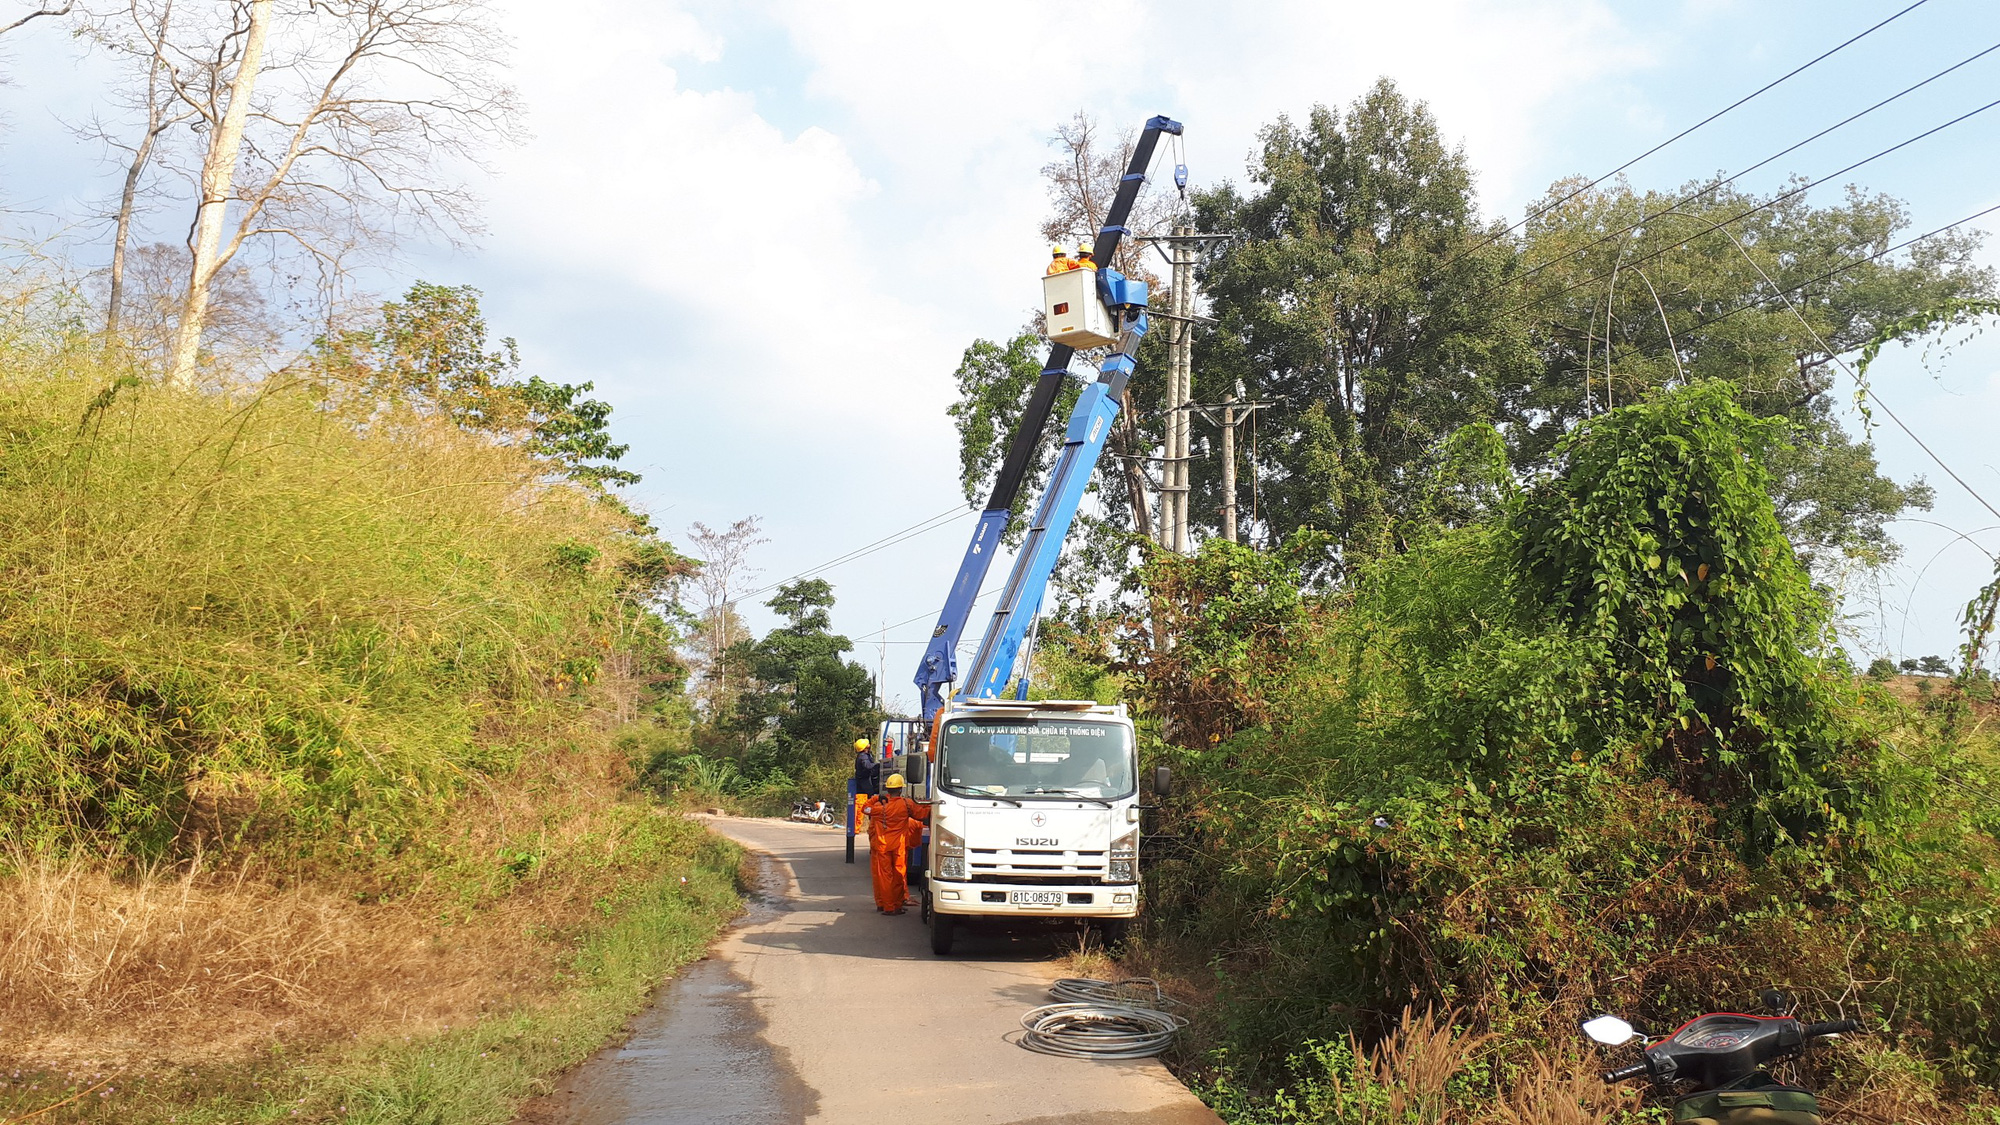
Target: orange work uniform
[891, 820]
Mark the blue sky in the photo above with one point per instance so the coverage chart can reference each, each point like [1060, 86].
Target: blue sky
[766, 230]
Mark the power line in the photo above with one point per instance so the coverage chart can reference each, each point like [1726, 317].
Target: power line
[1724, 182]
[1838, 270]
[1865, 388]
[942, 519]
[1748, 211]
[1760, 91]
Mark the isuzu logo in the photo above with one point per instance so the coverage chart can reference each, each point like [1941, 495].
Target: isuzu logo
[1039, 819]
[1035, 841]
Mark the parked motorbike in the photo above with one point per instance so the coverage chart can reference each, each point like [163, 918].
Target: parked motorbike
[812, 812]
[1719, 1059]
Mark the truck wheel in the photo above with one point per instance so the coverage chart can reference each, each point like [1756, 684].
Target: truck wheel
[943, 929]
[1113, 931]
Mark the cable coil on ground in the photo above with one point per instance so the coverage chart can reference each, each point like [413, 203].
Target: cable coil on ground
[1136, 992]
[1102, 1020]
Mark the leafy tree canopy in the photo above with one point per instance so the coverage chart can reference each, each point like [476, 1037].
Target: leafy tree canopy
[807, 703]
[429, 351]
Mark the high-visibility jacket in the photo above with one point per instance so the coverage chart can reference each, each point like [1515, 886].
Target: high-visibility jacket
[891, 820]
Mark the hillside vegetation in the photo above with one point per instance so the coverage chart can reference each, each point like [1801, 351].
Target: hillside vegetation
[308, 688]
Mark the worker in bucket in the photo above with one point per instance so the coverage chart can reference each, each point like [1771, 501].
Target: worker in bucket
[890, 819]
[1059, 260]
[1084, 258]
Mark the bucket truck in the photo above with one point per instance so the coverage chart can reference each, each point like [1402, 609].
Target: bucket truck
[1035, 808]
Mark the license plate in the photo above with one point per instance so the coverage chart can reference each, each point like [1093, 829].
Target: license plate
[1035, 898]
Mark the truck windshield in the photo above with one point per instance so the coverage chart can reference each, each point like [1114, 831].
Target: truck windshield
[1036, 757]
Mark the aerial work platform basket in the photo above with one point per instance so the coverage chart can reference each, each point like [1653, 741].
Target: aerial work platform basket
[1074, 313]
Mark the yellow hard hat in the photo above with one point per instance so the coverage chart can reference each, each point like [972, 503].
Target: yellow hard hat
[895, 781]
[1083, 248]
[861, 744]
[1057, 250]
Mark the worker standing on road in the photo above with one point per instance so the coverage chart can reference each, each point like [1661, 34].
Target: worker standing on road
[867, 770]
[891, 817]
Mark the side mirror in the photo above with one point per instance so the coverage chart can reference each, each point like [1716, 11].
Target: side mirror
[1163, 782]
[1609, 1030]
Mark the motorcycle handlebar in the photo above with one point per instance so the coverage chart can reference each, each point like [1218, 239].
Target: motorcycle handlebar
[1624, 1073]
[1830, 1027]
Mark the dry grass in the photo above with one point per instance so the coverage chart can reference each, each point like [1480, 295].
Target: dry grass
[1564, 1091]
[1413, 1064]
[118, 970]
[195, 964]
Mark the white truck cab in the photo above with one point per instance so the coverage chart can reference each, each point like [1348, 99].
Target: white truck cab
[1034, 815]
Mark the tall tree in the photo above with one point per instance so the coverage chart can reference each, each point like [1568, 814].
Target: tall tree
[218, 183]
[332, 126]
[724, 556]
[140, 34]
[808, 702]
[1356, 294]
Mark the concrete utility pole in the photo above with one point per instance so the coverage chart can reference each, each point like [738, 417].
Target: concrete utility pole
[1229, 467]
[1183, 246]
[1235, 411]
[1180, 379]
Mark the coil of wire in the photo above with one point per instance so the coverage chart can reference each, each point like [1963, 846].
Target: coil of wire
[1136, 992]
[1099, 1031]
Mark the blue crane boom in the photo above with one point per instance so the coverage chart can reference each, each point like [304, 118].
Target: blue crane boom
[1090, 422]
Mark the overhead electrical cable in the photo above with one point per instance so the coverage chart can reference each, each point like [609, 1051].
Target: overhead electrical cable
[1738, 103]
[1727, 180]
[942, 519]
[1859, 382]
[1748, 211]
[1837, 271]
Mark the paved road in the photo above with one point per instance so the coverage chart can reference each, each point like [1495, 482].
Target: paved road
[817, 1009]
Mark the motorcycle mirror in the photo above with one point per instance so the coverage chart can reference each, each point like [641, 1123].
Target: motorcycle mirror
[1609, 1030]
[1776, 1002]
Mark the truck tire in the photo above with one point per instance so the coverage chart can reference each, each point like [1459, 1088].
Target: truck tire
[1113, 931]
[944, 928]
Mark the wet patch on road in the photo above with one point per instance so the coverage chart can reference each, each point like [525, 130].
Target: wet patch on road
[697, 1055]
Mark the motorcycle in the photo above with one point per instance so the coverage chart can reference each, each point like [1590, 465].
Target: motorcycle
[1720, 1058]
[812, 812]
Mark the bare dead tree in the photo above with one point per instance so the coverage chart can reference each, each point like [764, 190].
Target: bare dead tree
[138, 33]
[352, 132]
[242, 321]
[724, 557]
[1081, 184]
[42, 12]
[218, 179]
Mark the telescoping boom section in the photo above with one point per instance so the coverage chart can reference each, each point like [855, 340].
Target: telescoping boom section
[1124, 302]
